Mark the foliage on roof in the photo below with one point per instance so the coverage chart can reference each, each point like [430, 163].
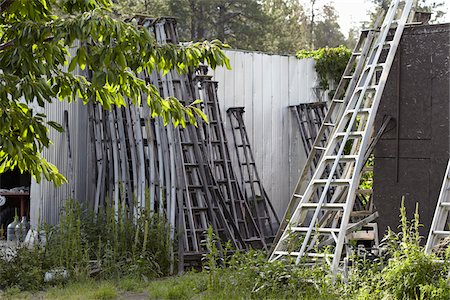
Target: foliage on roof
[330, 63]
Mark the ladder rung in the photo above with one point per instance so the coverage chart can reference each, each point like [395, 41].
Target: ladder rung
[191, 165]
[319, 254]
[347, 76]
[197, 208]
[370, 87]
[320, 148]
[306, 254]
[342, 158]
[356, 53]
[318, 229]
[387, 44]
[441, 232]
[445, 204]
[194, 186]
[298, 196]
[338, 100]
[360, 111]
[329, 124]
[364, 191]
[324, 206]
[350, 134]
[333, 182]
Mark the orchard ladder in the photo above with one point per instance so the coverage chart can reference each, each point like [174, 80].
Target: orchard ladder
[220, 163]
[309, 117]
[335, 111]
[256, 195]
[347, 146]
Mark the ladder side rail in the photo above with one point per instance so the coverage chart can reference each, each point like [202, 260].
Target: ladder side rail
[437, 217]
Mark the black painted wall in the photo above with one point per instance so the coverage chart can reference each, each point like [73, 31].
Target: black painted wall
[411, 157]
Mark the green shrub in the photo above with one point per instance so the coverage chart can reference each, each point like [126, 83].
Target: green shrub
[330, 63]
[409, 273]
[24, 271]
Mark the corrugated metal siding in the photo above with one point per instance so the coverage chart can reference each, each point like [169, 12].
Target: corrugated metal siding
[45, 198]
[266, 85]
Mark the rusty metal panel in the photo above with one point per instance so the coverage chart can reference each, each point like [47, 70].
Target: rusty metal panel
[410, 158]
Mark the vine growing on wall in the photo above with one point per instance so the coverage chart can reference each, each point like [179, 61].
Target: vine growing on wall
[330, 63]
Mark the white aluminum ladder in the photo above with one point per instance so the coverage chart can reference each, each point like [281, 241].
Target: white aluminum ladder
[440, 224]
[309, 235]
[334, 113]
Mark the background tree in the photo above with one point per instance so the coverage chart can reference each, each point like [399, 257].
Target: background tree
[326, 30]
[34, 38]
[288, 29]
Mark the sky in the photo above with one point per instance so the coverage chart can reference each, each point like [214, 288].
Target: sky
[353, 12]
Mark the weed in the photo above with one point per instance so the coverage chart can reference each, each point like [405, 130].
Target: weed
[105, 291]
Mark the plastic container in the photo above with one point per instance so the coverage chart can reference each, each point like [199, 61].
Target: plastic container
[11, 230]
[21, 229]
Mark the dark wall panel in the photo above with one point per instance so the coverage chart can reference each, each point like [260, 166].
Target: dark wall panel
[411, 157]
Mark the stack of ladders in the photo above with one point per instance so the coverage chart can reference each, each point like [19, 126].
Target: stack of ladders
[183, 174]
[319, 217]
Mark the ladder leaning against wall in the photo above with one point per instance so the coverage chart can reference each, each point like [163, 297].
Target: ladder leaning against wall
[317, 229]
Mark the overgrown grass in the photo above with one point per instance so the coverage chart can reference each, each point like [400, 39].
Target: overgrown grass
[105, 246]
[404, 271]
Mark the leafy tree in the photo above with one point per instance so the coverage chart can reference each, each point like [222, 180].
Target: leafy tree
[34, 38]
[288, 30]
[327, 30]
[129, 8]
[238, 23]
[353, 36]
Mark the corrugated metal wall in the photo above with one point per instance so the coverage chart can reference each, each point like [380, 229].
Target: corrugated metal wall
[46, 200]
[266, 85]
